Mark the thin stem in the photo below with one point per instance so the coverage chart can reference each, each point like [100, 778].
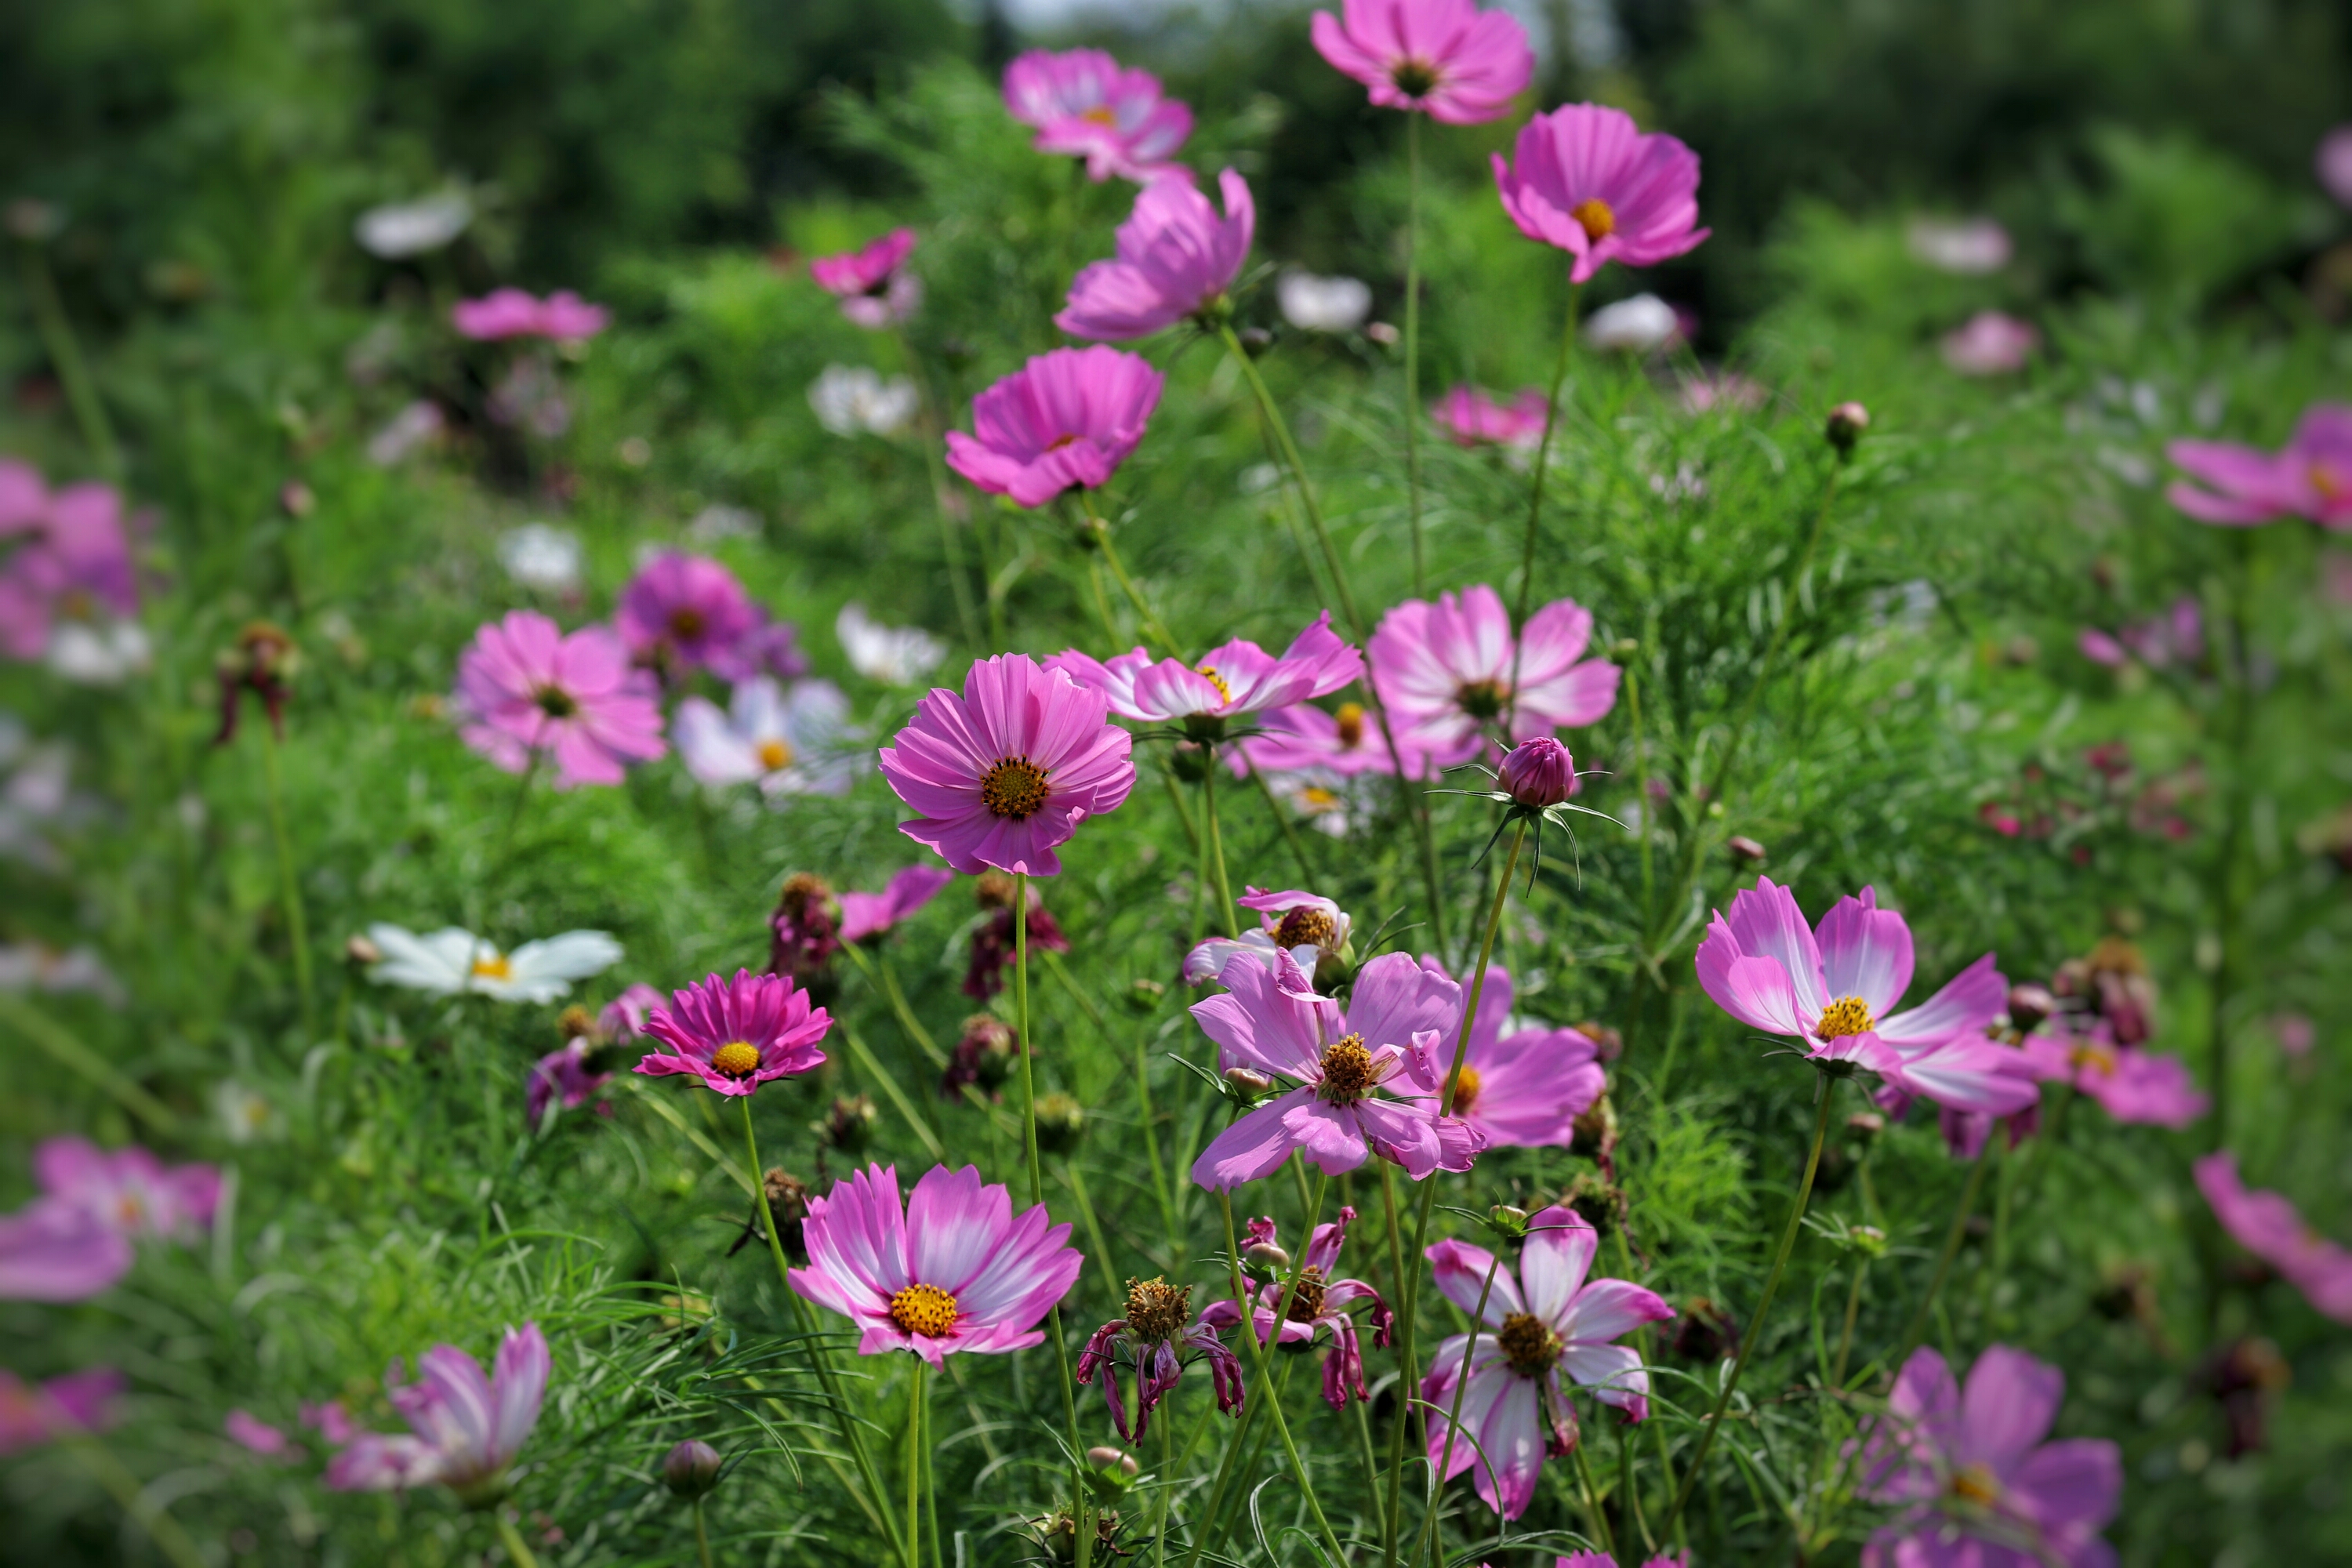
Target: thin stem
[1248, 1326]
[514, 813]
[927, 1445]
[2238, 668]
[289, 887]
[1846, 1334]
[512, 1540]
[1281, 818]
[1543, 467]
[1147, 1114]
[1592, 1501]
[701, 1536]
[1917, 1329]
[932, 430]
[1429, 1541]
[63, 1047]
[1413, 346]
[1213, 1518]
[915, 1460]
[1763, 1306]
[1094, 1227]
[1217, 847]
[877, 971]
[1144, 613]
[1478, 976]
[116, 1477]
[64, 355]
[1632, 1493]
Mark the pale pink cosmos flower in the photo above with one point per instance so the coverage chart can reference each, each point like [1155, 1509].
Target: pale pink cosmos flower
[511, 313]
[2176, 636]
[1541, 1321]
[1308, 926]
[1836, 991]
[1471, 417]
[789, 743]
[1319, 1304]
[2269, 1227]
[1064, 421]
[468, 1428]
[130, 1190]
[1176, 258]
[256, 1435]
[1084, 104]
[70, 574]
[873, 286]
[1990, 342]
[1446, 671]
[32, 1414]
[684, 612]
[1969, 246]
[1974, 1482]
[1525, 1084]
[1004, 772]
[2132, 1086]
[1726, 389]
[1446, 58]
[867, 915]
[736, 1035]
[1368, 1074]
[1585, 179]
[54, 1252]
[1303, 738]
[2238, 486]
[526, 690]
[955, 1270]
[1231, 680]
[2332, 162]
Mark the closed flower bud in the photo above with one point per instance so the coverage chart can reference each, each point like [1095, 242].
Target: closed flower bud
[1247, 1083]
[360, 950]
[575, 1023]
[1145, 996]
[1609, 1045]
[692, 1468]
[1866, 1124]
[1539, 772]
[1264, 1259]
[1381, 332]
[1061, 1122]
[1745, 850]
[993, 890]
[296, 499]
[1256, 341]
[1191, 761]
[1109, 1472]
[2028, 1004]
[1846, 423]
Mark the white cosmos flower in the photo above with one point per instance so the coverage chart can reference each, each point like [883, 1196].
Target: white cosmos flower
[453, 960]
[1633, 326]
[852, 398]
[542, 557]
[414, 425]
[1313, 304]
[34, 966]
[895, 655]
[97, 652]
[796, 742]
[411, 228]
[244, 1116]
[37, 793]
[1969, 246]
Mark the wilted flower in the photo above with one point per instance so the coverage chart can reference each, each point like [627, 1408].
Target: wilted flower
[1176, 259]
[1965, 246]
[1319, 1305]
[804, 932]
[1446, 671]
[737, 1035]
[873, 286]
[1638, 325]
[2310, 478]
[32, 1414]
[992, 939]
[1305, 925]
[511, 313]
[526, 690]
[1585, 179]
[454, 962]
[263, 661]
[1063, 421]
[1151, 1338]
[866, 916]
[985, 1055]
[795, 742]
[1990, 343]
[542, 557]
[1084, 104]
[469, 1428]
[1231, 680]
[849, 1126]
[1446, 58]
[399, 229]
[851, 399]
[1313, 304]
[2269, 1227]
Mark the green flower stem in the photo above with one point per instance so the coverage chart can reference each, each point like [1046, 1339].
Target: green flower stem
[289, 886]
[887, 1082]
[2228, 906]
[1632, 1494]
[1145, 614]
[1917, 1329]
[932, 428]
[1281, 819]
[1429, 1532]
[64, 355]
[124, 1488]
[915, 1459]
[61, 1046]
[1228, 911]
[876, 1493]
[1763, 1305]
[1258, 1356]
[1161, 1189]
[1094, 1229]
[701, 1536]
[928, 1445]
[1846, 1334]
[1212, 1518]
[1413, 346]
[511, 1538]
[877, 973]
[1592, 1499]
[1536, 489]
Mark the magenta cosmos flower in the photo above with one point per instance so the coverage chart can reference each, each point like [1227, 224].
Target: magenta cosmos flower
[32, 1414]
[1065, 420]
[1084, 104]
[1447, 59]
[465, 1429]
[1978, 1487]
[1004, 772]
[1308, 926]
[1302, 738]
[77, 1238]
[1176, 259]
[2131, 1084]
[735, 1035]
[874, 287]
[1835, 991]
[1526, 1086]
[1990, 343]
[585, 1064]
[957, 1270]
[1151, 1338]
[526, 690]
[511, 313]
[1583, 178]
[2311, 477]
[1368, 1075]
[865, 915]
[1471, 417]
[2267, 1226]
[1546, 1321]
[684, 612]
[1447, 671]
[1319, 1304]
[1232, 679]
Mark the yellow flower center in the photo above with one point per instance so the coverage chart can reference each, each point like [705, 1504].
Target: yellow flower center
[1347, 1070]
[129, 1209]
[1350, 720]
[736, 1059]
[1218, 682]
[1058, 442]
[1597, 221]
[1315, 797]
[775, 754]
[1528, 1344]
[924, 1310]
[2331, 485]
[1480, 698]
[1156, 1310]
[1307, 1296]
[1301, 926]
[1977, 1484]
[2097, 1056]
[1100, 114]
[1846, 1015]
[493, 967]
[555, 703]
[1014, 788]
[76, 605]
[1466, 1089]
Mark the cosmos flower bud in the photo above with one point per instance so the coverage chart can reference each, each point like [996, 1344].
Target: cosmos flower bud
[1061, 1122]
[1745, 851]
[1189, 760]
[1866, 1124]
[1539, 772]
[1607, 1043]
[691, 1469]
[2028, 1004]
[296, 499]
[1256, 341]
[360, 951]
[1847, 421]
[1112, 1469]
[1248, 1081]
[1145, 996]
[1264, 1259]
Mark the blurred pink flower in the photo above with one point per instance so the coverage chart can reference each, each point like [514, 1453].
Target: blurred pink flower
[32, 1414]
[1308, 926]
[511, 313]
[1004, 773]
[2176, 636]
[2268, 1226]
[2331, 160]
[1471, 417]
[874, 287]
[1457, 64]
[684, 612]
[1990, 343]
[1969, 246]
[737, 1035]
[954, 1270]
[1446, 671]
[1542, 1320]
[468, 1428]
[1318, 1301]
[1974, 1482]
[1085, 105]
[865, 915]
[52, 1252]
[1525, 1088]
[2310, 478]
[525, 687]
[130, 1190]
[2294, 1033]
[1585, 179]
[1721, 389]
[1301, 736]
[1176, 258]
[330, 1421]
[256, 1435]
[1231, 680]
[2132, 1086]
[1065, 420]
[71, 563]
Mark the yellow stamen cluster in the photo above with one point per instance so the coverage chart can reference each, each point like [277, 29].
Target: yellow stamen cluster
[1414, 79]
[1014, 788]
[493, 967]
[1156, 1311]
[924, 1310]
[1528, 1344]
[1846, 1015]
[1977, 1484]
[1596, 217]
[1347, 1070]
[1218, 682]
[736, 1059]
[1466, 1089]
[1301, 926]
[1307, 1296]
[775, 754]
[1481, 698]
[1350, 720]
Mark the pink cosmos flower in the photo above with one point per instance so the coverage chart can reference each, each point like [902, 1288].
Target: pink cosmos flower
[2131, 1084]
[1471, 417]
[2178, 636]
[2311, 477]
[129, 1191]
[1317, 1303]
[1303, 738]
[1348, 1064]
[1721, 389]
[581, 1067]
[1065, 420]
[684, 612]
[1176, 259]
[1004, 772]
[71, 565]
[1233, 679]
[525, 687]
[32, 1414]
[1602, 1560]
[956, 1270]
[1457, 64]
[1151, 1338]
[2331, 160]
[1447, 671]
[467, 1428]
[1526, 1088]
[1305, 925]
[2267, 1226]
[1084, 104]
[865, 915]
[1990, 343]
[1836, 990]
[874, 287]
[737, 1035]
[1542, 1321]
[1583, 178]
[329, 1420]
[1975, 1482]
[54, 1252]
[511, 313]
[256, 1435]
